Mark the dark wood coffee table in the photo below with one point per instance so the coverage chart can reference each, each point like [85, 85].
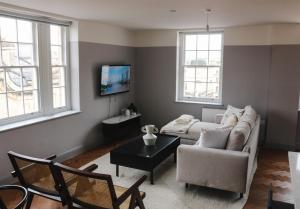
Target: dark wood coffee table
[136, 155]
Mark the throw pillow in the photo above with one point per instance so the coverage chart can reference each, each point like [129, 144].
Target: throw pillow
[238, 136]
[232, 111]
[249, 116]
[231, 121]
[214, 138]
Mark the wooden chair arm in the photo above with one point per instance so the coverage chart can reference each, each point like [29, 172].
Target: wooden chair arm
[91, 168]
[73, 179]
[14, 174]
[131, 190]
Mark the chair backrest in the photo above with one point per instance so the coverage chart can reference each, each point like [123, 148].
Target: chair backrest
[12, 197]
[89, 190]
[34, 173]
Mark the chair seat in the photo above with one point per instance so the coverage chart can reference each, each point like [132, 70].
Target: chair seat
[97, 193]
[120, 190]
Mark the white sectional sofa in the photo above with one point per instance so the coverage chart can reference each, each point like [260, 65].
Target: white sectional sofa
[225, 169]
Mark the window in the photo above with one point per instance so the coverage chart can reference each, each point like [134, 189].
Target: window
[199, 75]
[33, 69]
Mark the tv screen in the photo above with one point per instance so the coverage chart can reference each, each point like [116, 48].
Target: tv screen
[115, 79]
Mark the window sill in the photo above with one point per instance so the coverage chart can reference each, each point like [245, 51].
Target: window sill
[37, 120]
[202, 103]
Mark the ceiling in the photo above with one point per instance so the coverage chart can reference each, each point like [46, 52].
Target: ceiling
[155, 14]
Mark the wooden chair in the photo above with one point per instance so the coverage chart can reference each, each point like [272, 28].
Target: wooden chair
[38, 176]
[277, 204]
[8, 193]
[97, 191]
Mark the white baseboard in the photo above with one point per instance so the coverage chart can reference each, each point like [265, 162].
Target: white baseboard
[60, 158]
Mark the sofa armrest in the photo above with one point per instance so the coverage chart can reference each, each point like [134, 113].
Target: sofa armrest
[221, 169]
[218, 118]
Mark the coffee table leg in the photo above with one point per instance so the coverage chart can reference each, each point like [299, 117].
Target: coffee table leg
[151, 177]
[117, 170]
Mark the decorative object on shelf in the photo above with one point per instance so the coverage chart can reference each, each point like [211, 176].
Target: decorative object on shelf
[132, 108]
[127, 112]
[149, 138]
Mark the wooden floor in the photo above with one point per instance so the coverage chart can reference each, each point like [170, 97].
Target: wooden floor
[272, 168]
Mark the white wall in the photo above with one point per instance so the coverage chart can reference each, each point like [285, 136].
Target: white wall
[95, 32]
[269, 34]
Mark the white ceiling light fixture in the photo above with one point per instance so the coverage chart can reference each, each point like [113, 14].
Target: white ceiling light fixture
[207, 12]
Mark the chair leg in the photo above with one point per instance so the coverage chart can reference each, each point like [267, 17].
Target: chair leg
[139, 201]
[132, 203]
[29, 200]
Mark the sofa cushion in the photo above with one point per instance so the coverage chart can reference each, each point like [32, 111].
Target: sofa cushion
[249, 116]
[214, 138]
[195, 130]
[231, 121]
[238, 136]
[232, 111]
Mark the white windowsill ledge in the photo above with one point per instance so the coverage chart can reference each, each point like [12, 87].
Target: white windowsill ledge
[37, 120]
[195, 102]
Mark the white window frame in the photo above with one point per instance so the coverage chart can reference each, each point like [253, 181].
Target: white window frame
[180, 69]
[42, 56]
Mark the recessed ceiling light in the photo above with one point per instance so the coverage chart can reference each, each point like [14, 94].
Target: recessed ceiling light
[173, 10]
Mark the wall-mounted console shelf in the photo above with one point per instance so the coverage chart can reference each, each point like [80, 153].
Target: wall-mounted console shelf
[121, 126]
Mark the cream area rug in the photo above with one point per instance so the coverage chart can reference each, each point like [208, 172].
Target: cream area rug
[167, 193]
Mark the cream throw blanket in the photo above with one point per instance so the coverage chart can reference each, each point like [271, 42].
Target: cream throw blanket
[177, 128]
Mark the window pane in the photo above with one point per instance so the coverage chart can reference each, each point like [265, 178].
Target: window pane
[59, 97]
[190, 42]
[29, 79]
[13, 79]
[201, 74]
[213, 74]
[213, 90]
[10, 54]
[215, 58]
[202, 58]
[8, 27]
[58, 76]
[190, 58]
[56, 55]
[200, 90]
[26, 54]
[202, 42]
[215, 42]
[24, 31]
[2, 81]
[15, 103]
[55, 34]
[189, 74]
[189, 89]
[31, 102]
[3, 106]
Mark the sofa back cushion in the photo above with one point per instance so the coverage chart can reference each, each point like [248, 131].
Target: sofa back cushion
[231, 121]
[214, 138]
[249, 116]
[232, 111]
[238, 136]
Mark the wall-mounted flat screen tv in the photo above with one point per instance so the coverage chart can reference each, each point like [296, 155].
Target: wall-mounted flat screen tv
[115, 79]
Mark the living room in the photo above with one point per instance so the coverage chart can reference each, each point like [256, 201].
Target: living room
[194, 61]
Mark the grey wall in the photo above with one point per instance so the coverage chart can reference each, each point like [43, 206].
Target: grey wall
[255, 75]
[72, 133]
[284, 95]
[156, 84]
[298, 133]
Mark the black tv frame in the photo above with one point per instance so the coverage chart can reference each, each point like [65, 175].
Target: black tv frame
[114, 65]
